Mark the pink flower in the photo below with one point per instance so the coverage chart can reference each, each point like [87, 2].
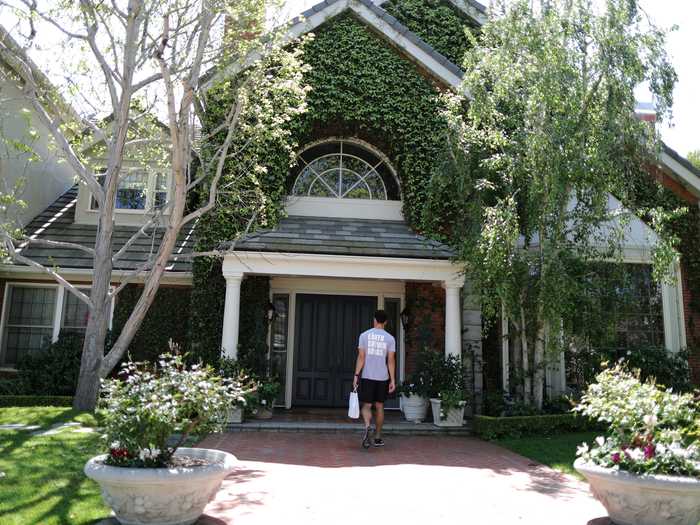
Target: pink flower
[616, 457]
[649, 451]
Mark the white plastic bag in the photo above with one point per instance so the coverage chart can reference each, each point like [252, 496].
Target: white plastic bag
[354, 408]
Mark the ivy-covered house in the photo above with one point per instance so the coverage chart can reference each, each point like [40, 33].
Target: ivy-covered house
[345, 230]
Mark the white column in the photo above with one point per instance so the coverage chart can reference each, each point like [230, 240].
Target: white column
[453, 330]
[232, 310]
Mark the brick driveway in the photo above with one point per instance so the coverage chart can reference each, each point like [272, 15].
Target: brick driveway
[294, 478]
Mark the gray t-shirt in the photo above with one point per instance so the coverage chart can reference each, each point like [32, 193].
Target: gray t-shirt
[377, 344]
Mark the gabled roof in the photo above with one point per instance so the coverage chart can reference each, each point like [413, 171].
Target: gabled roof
[414, 47]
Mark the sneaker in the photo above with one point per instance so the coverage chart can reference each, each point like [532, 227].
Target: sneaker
[366, 438]
[378, 442]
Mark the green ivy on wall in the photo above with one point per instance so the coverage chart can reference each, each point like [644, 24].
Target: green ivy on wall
[360, 87]
[437, 22]
[167, 319]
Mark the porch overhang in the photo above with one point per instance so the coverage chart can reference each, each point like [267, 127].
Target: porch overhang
[237, 265]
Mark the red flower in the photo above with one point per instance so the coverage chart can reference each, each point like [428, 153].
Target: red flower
[119, 453]
[616, 457]
[649, 451]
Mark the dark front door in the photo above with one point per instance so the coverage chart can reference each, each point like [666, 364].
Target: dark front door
[327, 328]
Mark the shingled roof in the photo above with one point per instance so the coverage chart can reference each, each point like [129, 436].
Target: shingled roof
[57, 223]
[338, 236]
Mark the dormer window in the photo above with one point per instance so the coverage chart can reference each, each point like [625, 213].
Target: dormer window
[139, 190]
[344, 169]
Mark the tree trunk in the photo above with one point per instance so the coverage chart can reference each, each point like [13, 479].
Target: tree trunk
[538, 368]
[96, 330]
[527, 387]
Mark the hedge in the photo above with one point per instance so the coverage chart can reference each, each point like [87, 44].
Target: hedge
[36, 401]
[489, 427]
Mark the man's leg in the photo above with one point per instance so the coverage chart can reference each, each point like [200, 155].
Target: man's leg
[367, 413]
[379, 416]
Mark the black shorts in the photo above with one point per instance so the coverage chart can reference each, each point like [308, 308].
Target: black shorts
[373, 391]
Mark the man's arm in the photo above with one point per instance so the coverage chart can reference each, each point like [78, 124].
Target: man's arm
[392, 371]
[359, 365]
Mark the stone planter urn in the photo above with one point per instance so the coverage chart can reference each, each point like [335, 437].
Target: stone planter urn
[263, 413]
[633, 499]
[235, 415]
[454, 416]
[414, 407]
[161, 496]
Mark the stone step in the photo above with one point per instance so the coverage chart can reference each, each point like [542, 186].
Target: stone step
[402, 428]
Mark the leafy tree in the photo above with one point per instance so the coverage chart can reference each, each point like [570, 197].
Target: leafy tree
[543, 135]
[694, 158]
[126, 61]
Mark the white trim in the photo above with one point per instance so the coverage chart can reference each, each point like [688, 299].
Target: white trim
[12, 271]
[344, 208]
[688, 178]
[344, 266]
[292, 286]
[313, 21]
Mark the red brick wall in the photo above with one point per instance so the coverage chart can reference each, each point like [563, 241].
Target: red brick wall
[426, 306]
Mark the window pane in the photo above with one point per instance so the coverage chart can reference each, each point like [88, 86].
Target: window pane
[161, 191]
[278, 355]
[31, 306]
[75, 313]
[29, 321]
[21, 341]
[131, 194]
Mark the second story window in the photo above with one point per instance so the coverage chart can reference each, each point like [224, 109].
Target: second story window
[140, 190]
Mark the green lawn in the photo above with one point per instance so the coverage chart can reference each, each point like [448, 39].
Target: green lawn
[558, 452]
[42, 480]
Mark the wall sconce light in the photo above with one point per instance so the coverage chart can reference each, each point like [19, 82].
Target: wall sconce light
[405, 318]
[271, 311]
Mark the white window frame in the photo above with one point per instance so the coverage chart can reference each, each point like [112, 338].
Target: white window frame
[150, 190]
[57, 321]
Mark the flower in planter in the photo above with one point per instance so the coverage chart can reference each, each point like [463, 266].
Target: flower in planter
[151, 410]
[651, 430]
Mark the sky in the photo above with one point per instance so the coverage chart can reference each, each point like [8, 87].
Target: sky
[683, 133]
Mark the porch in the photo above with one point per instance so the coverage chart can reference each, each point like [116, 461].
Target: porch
[327, 277]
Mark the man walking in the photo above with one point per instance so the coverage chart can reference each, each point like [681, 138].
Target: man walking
[376, 360]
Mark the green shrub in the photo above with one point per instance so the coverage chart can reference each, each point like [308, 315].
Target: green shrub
[53, 371]
[489, 427]
[36, 401]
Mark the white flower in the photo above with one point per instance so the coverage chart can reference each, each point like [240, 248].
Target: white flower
[636, 454]
[600, 440]
[263, 402]
[650, 421]
[582, 449]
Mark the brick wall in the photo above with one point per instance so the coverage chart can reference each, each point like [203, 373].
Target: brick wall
[692, 329]
[426, 306]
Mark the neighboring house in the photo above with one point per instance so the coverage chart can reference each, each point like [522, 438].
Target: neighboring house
[46, 177]
[346, 247]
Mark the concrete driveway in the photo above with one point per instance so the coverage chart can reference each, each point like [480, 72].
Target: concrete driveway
[301, 478]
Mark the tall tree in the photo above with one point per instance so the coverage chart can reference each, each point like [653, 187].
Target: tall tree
[694, 158]
[137, 58]
[545, 132]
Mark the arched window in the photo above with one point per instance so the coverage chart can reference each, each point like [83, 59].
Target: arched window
[344, 169]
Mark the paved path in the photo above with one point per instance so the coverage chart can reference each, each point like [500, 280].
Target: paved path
[293, 478]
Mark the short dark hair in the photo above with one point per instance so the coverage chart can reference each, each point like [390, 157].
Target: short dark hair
[380, 316]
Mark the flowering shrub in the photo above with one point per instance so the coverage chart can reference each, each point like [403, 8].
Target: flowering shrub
[445, 380]
[267, 393]
[652, 431]
[231, 369]
[153, 408]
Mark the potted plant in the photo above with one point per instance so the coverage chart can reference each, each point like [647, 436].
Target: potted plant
[414, 397]
[266, 394]
[646, 470]
[447, 389]
[230, 369]
[148, 414]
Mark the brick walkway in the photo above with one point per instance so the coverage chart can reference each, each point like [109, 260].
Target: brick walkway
[293, 478]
